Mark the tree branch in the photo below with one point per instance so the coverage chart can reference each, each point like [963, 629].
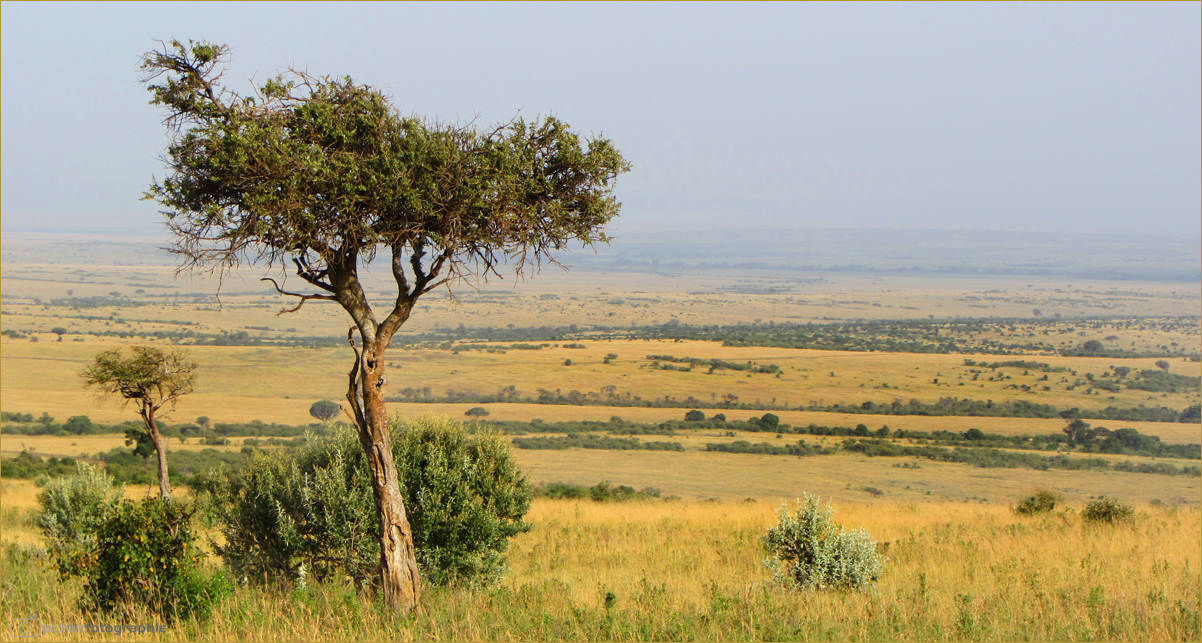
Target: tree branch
[356, 382]
[398, 271]
[303, 297]
[312, 276]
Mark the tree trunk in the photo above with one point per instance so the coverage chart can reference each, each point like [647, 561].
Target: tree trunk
[160, 447]
[400, 581]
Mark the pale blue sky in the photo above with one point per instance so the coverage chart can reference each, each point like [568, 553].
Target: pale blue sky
[1037, 117]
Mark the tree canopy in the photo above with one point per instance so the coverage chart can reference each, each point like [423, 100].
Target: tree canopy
[149, 377]
[322, 172]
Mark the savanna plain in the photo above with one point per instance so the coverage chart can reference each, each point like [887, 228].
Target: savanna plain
[924, 409]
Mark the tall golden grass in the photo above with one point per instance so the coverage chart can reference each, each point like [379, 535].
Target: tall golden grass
[694, 571]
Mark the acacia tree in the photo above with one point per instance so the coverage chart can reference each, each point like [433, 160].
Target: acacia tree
[314, 175]
[151, 378]
[325, 410]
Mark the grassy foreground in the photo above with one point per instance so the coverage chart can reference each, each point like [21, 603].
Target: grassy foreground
[679, 570]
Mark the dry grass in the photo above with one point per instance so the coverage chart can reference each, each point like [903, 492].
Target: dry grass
[736, 476]
[689, 546]
[279, 384]
[688, 570]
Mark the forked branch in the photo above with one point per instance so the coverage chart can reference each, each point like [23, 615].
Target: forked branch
[303, 297]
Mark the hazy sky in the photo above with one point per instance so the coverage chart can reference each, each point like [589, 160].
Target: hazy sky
[1038, 116]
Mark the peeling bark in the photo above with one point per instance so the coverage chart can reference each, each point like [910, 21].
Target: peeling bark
[400, 579]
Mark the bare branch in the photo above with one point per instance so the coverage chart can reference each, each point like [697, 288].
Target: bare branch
[303, 297]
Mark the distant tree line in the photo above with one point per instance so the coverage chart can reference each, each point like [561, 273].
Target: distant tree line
[996, 458]
[712, 364]
[946, 406]
[26, 424]
[897, 336]
[1125, 441]
[593, 441]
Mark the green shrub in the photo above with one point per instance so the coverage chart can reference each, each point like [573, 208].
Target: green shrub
[145, 554]
[72, 509]
[809, 551]
[1042, 502]
[311, 511]
[465, 497]
[1109, 510]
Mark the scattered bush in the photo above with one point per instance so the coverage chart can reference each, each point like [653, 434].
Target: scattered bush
[1109, 510]
[476, 411]
[72, 509]
[146, 555]
[1042, 502]
[809, 551]
[313, 509]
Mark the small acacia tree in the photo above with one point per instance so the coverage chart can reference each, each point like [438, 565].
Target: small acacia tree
[152, 379]
[325, 410]
[314, 176]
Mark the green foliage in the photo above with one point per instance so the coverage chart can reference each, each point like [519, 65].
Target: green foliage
[313, 509]
[465, 496]
[148, 376]
[71, 511]
[694, 416]
[712, 364]
[601, 492]
[139, 438]
[1042, 502]
[809, 551]
[146, 554]
[325, 170]
[476, 411]
[593, 441]
[801, 448]
[1109, 510]
[1161, 381]
[27, 465]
